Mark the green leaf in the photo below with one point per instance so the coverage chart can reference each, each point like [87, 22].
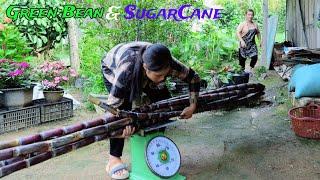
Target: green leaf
[18, 21]
[24, 21]
[44, 39]
[30, 37]
[2, 53]
[10, 52]
[44, 23]
[39, 43]
[35, 39]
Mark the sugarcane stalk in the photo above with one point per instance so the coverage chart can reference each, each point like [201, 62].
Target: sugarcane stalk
[10, 161]
[202, 96]
[203, 99]
[45, 135]
[223, 89]
[226, 102]
[233, 102]
[105, 106]
[55, 143]
[207, 97]
[129, 114]
[25, 163]
[65, 148]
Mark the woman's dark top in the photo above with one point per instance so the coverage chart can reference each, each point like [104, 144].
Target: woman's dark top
[117, 68]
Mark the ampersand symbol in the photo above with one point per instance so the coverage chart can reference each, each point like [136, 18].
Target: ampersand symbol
[112, 15]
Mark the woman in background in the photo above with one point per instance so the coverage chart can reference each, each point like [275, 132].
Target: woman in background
[246, 33]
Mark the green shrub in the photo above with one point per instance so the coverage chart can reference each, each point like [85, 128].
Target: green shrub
[42, 33]
[13, 45]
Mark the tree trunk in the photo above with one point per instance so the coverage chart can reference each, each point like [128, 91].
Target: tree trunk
[265, 34]
[73, 39]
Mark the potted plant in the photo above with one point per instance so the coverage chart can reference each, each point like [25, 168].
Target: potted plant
[53, 75]
[232, 73]
[16, 86]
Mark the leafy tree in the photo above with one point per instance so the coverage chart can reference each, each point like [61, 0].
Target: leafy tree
[42, 33]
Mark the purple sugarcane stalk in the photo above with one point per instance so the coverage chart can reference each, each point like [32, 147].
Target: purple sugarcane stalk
[45, 135]
[63, 140]
[25, 163]
[17, 163]
[223, 89]
[203, 99]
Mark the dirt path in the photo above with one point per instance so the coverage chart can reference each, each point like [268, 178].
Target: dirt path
[245, 143]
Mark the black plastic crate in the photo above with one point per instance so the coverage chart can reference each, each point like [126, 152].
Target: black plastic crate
[55, 111]
[16, 119]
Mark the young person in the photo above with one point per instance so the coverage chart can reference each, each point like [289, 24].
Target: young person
[130, 69]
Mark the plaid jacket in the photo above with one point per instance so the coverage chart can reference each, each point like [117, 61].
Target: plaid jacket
[117, 68]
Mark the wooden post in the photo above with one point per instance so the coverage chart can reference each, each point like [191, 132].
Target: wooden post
[73, 39]
[265, 34]
[303, 24]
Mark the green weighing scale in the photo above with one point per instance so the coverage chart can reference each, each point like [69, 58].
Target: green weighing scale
[154, 156]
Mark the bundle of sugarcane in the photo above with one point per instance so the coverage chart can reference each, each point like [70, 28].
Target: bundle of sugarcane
[57, 132]
[27, 151]
[23, 156]
[206, 97]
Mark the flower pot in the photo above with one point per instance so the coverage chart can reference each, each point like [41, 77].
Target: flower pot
[238, 78]
[53, 96]
[16, 97]
[1, 100]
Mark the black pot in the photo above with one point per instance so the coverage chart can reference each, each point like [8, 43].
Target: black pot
[182, 88]
[238, 79]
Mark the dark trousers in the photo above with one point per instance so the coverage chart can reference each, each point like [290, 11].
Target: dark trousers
[116, 144]
[242, 61]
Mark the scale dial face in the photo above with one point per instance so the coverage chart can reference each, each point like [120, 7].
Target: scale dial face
[163, 156]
